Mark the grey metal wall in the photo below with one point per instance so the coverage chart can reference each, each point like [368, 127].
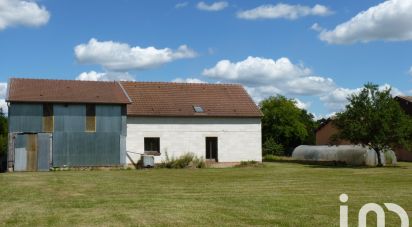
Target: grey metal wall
[72, 146]
[24, 117]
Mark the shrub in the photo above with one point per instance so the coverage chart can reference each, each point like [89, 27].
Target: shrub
[270, 147]
[188, 160]
[274, 158]
[249, 164]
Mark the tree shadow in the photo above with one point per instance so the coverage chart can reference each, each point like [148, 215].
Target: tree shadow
[332, 164]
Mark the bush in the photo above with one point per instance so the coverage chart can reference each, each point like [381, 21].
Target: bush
[249, 164]
[270, 147]
[274, 158]
[188, 160]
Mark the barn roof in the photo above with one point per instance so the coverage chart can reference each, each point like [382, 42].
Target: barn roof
[65, 91]
[189, 99]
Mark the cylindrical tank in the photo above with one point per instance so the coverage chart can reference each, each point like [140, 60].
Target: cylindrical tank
[350, 154]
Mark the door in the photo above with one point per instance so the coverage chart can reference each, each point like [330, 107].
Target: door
[44, 144]
[32, 152]
[211, 148]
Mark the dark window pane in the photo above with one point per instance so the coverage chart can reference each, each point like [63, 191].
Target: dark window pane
[152, 145]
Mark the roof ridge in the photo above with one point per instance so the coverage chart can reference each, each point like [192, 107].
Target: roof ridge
[46, 79]
[182, 83]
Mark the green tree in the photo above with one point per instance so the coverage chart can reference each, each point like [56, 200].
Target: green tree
[374, 119]
[3, 133]
[284, 124]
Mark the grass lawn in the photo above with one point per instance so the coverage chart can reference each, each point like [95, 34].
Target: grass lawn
[277, 194]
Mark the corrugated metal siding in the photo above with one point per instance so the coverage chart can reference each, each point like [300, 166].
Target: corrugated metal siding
[69, 118]
[25, 117]
[43, 149]
[86, 149]
[124, 125]
[72, 146]
[108, 118]
[122, 150]
[20, 153]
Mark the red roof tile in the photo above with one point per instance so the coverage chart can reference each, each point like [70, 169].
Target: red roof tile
[178, 99]
[65, 91]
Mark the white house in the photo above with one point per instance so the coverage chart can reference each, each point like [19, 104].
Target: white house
[219, 122]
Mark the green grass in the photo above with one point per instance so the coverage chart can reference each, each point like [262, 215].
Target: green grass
[277, 194]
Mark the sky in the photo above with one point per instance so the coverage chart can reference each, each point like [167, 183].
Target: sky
[316, 52]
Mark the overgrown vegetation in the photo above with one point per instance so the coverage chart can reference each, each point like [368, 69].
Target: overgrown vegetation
[373, 118]
[270, 147]
[3, 133]
[188, 160]
[285, 126]
[275, 158]
[249, 164]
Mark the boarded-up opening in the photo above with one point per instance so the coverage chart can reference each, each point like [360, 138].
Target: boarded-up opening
[90, 118]
[31, 148]
[48, 119]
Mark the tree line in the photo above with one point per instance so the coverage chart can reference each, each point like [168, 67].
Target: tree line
[371, 118]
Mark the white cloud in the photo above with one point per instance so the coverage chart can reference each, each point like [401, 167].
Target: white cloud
[188, 80]
[390, 20]
[105, 76]
[264, 77]
[181, 5]
[316, 27]
[3, 104]
[286, 11]
[25, 13]
[394, 91]
[216, 6]
[121, 57]
[302, 105]
[337, 99]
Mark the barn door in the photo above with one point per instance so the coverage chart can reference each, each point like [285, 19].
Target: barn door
[211, 148]
[44, 144]
[20, 152]
[32, 152]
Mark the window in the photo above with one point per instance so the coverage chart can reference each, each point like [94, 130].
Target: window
[198, 109]
[152, 145]
[48, 121]
[90, 118]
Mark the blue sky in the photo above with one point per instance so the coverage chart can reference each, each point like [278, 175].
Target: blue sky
[292, 48]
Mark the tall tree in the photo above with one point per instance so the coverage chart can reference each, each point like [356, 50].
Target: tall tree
[285, 124]
[374, 119]
[3, 133]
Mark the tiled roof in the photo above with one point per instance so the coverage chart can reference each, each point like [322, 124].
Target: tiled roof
[65, 91]
[407, 98]
[179, 99]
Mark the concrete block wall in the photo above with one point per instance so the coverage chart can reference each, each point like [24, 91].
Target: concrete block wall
[239, 139]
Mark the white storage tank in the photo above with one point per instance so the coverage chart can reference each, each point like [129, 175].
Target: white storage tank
[355, 155]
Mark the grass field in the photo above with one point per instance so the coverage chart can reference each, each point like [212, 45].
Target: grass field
[277, 194]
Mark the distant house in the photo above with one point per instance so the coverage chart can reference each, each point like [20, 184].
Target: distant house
[406, 103]
[326, 130]
[58, 123]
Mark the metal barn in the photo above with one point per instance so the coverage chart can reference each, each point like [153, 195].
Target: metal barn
[62, 123]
